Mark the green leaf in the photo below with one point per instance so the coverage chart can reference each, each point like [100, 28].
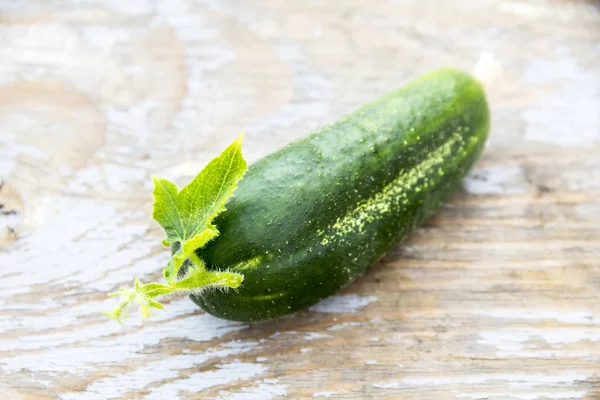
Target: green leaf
[186, 215]
[204, 197]
[166, 209]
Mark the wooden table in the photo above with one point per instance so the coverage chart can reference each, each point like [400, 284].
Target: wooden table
[497, 297]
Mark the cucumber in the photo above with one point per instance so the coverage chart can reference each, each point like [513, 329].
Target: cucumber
[315, 215]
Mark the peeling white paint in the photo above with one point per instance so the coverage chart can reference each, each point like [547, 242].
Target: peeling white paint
[327, 394]
[343, 303]
[552, 336]
[517, 381]
[567, 395]
[195, 383]
[313, 93]
[569, 317]
[531, 381]
[94, 240]
[84, 178]
[121, 178]
[517, 342]
[132, 7]
[204, 51]
[521, 385]
[105, 38]
[316, 335]
[6, 166]
[109, 343]
[55, 315]
[523, 9]
[344, 325]
[10, 141]
[532, 11]
[387, 385]
[467, 380]
[134, 120]
[568, 115]
[495, 179]
[58, 52]
[266, 390]
[118, 385]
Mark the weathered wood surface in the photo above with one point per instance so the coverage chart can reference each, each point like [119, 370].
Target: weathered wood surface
[498, 296]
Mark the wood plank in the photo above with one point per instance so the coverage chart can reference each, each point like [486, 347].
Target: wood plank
[496, 297]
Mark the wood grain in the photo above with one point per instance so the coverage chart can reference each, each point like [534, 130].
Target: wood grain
[497, 297]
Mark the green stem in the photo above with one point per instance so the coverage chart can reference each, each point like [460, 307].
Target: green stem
[197, 277]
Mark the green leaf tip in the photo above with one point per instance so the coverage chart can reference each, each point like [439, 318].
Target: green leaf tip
[186, 215]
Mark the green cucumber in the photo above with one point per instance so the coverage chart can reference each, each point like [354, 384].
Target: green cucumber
[313, 216]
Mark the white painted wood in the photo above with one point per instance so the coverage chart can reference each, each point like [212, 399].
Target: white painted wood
[496, 297]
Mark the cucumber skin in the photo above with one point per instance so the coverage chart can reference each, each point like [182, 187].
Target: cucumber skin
[313, 216]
